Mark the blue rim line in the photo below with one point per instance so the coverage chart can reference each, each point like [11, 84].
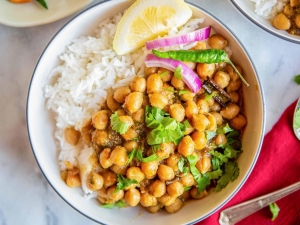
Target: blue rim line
[263, 118]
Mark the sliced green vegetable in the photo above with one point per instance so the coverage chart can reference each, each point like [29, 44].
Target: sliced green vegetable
[208, 96]
[297, 79]
[119, 204]
[274, 210]
[43, 3]
[117, 124]
[124, 182]
[182, 92]
[178, 72]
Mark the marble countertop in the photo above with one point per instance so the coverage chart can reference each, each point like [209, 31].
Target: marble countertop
[26, 197]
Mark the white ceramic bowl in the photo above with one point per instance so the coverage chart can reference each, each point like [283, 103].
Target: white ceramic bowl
[41, 125]
[246, 7]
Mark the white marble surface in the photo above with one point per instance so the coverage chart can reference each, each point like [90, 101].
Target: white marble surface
[26, 197]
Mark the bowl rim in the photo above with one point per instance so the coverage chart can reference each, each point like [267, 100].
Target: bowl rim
[290, 39]
[260, 90]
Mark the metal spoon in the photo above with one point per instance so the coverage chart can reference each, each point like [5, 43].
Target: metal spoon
[238, 212]
[296, 129]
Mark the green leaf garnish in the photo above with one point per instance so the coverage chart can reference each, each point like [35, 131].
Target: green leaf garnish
[224, 130]
[297, 79]
[131, 155]
[155, 147]
[186, 188]
[274, 210]
[213, 175]
[183, 92]
[178, 72]
[150, 158]
[43, 3]
[119, 204]
[186, 124]
[164, 128]
[124, 182]
[296, 123]
[231, 173]
[181, 167]
[210, 134]
[117, 124]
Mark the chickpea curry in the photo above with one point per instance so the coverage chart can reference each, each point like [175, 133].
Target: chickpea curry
[159, 144]
[289, 18]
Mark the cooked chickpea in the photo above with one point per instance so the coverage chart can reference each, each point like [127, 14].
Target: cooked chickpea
[73, 178]
[166, 200]
[157, 188]
[112, 104]
[204, 163]
[234, 96]
[175, 189]
[165, 172]
[288, 10]
[177, 83]
[187, 180]
[100, 137]
[222, 79]
[230, 111]
[189, 130]
[238, 122]
[135, 173]
[154, 83]
[147, 200]
[121, 93]
[217, 41]
[178, 204]
[133, 102]
[203, 107]
[71, 135]
[150, 70]
[220, 139]
[177, 112]
[219, 118]
[165, 150]
[109, 178]
[212, 122]
[215, 107]
[132, 197]
[155, 209]
[193, 193]
[119, 156]
[86, 133]
[199, 139]
[234, 85]
[149, 169]
[165, 75]
[231, 72]
[130, 145]
[200, 122]
[185, 196]
[173, 160]
[104, 158]
[186, 146]
[205, 70]
[191, 65]
[191, 108]
[116, 196]
[210, 101]
[139, 116]
[281, 22]
[130, 134]
[121, 112]
[158, 100]
[187, 96]
[100, 120]
[94, 181]
[119, 169]
[102, 195]
[297, 20]
[200, 45]
[138, 84]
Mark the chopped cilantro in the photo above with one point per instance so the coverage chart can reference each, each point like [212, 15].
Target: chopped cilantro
[210, 135]
[164, 128]
[215, 174]
[118, 125]
[178, 72]
[186, 188]
[274, 210]
[231, 173]
[131, 155]
[181, 167]
[124, 182]
[186, 124]
[297, 79]
[296, 123]
[224, 130]
[150, 158]
[119, 204]
[155, 147]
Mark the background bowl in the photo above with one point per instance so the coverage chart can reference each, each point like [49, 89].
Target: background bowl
[41, 125]
[246, 7]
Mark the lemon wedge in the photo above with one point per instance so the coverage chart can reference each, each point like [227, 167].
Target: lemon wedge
[145, 20]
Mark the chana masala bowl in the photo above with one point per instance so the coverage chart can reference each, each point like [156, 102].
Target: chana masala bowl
[134, 129]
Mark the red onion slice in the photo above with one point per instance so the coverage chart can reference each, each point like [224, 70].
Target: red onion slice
[190, 78]
[197, 35]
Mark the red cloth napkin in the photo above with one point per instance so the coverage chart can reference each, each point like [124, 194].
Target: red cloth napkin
[278, 166]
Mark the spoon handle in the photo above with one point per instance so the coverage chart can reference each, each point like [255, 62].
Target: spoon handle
[238, 212]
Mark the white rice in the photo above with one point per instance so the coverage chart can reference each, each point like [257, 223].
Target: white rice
[88, 71]
[269, 8]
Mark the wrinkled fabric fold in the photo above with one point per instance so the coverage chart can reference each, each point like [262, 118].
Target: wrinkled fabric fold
[278, 166]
